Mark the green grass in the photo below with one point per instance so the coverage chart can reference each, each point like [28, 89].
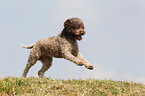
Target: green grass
[52, 87]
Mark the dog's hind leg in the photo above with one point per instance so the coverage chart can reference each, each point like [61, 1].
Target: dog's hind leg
[33, 58]
[47, 62]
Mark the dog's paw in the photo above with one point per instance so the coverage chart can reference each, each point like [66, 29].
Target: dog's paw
[80, 64]
[90, 67]
[23, 76]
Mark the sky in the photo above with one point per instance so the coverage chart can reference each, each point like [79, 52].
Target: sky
[114, 42]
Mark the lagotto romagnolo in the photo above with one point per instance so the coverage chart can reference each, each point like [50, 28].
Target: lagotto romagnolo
[64, 45]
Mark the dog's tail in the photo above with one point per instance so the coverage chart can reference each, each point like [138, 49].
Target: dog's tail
[28, 47]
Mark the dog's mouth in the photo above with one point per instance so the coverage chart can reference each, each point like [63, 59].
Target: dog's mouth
[78, 34]
[79, 37]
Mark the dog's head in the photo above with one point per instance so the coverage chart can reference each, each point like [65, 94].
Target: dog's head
[75, 28]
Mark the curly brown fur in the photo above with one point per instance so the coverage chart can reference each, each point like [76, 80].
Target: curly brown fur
[63, 45]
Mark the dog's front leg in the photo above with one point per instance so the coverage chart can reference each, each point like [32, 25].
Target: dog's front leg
[85, 62]
[70, 57]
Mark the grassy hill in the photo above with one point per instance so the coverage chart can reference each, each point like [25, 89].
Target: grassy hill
[51, 87]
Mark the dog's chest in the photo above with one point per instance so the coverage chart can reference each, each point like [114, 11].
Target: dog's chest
[74, 48]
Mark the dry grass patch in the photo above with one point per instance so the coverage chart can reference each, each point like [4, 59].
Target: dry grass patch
[52, 87]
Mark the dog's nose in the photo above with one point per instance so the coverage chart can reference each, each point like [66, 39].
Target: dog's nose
[82, 32]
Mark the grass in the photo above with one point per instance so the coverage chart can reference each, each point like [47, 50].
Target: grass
[52, 87]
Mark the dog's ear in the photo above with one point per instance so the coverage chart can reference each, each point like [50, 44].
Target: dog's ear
[66, 23]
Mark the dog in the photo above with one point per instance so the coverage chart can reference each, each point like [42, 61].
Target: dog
[64, 45]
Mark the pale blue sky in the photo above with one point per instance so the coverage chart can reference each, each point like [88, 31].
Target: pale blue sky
[114, 43]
